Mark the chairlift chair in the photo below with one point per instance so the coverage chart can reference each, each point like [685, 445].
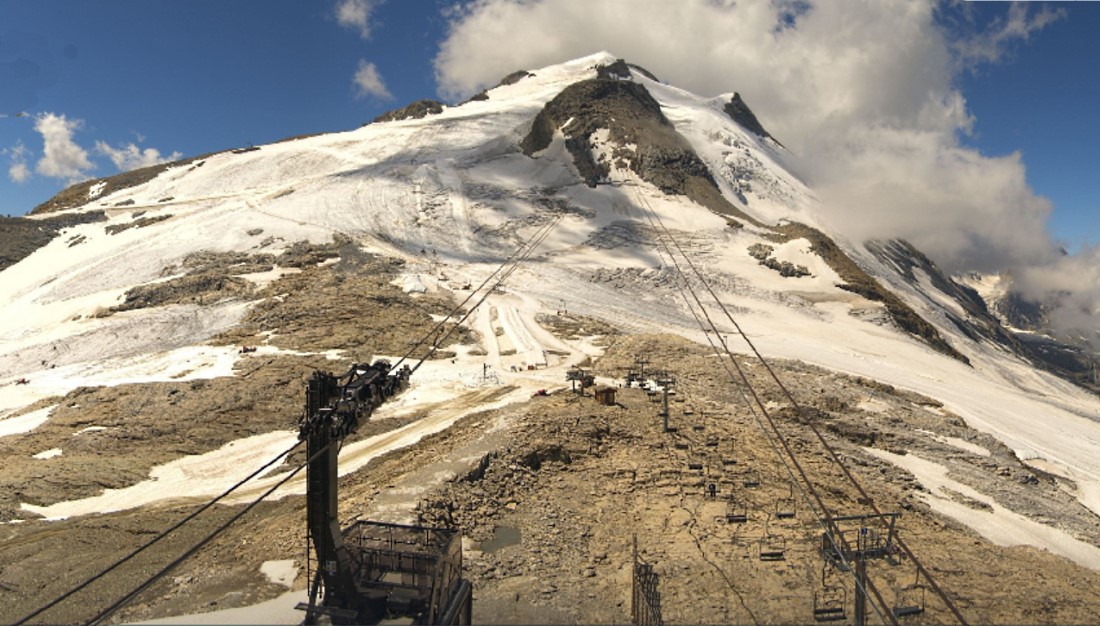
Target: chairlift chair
[830, 601]
[737, 511]
[750, 479]
[786, 507]
[773, 547]
[909, 600]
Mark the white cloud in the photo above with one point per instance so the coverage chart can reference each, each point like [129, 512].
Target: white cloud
[862, 91]
[1073, 282]
[129, 157]
[356, 14]
[61, 156]
[1018, 24]
[18, 171]
[368, 82]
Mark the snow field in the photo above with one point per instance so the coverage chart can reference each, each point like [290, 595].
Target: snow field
[997, 524]
[201, 475]
[26, 422]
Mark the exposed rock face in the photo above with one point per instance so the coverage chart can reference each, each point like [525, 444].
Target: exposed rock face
[659, 154]
[212, 277]
[20, 237]
[1066, 361]
[514, 78]
[643, 71]
[414, 111]
[84, 192]
[618, 70]
[510, 79]
[978, 324]
[139, 222]
[199, 289]
[859, 282]
[743, 115]
[786, 269]
[1021, 313]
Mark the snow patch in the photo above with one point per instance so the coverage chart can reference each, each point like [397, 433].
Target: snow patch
[873, 405]
[48, 454]
[996, 523]
[940, 298]
[276, 611]
[282, 572]
[263, 279]
[200, 475]
[25, 423]
[411, 283]
[955, 442]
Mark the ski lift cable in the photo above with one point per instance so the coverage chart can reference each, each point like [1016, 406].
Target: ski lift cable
[683, 293]
[829, 448]
[155, 539]
[832, 452]
[520, 253]
[825, 519]
[105, 613]
[523, 252]
[515, 265]
[472, 293]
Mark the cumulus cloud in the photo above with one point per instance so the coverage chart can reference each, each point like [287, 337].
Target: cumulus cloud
[863, 92]
[129, 157]
[1071, 282]
[18, 171]
[61, 156]
[368, 82]
[356, 14]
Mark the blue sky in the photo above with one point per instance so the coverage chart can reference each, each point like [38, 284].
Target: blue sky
[139, 80]
[196, 76]
[1043, 100]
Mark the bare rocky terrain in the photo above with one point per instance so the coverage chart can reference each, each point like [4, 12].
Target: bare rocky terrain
[551, 493]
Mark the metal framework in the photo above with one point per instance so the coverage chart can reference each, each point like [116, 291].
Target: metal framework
[645, 605]
[856, 539]
[409, 570]
[831, 600]
[370, 570]
[579, 375]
